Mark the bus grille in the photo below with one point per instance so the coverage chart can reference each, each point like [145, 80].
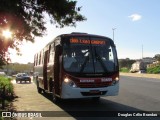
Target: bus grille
[91, 94]
[93, 85]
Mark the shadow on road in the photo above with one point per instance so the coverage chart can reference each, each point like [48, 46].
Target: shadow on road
[80, 108]
[89, 104]
[87, 109]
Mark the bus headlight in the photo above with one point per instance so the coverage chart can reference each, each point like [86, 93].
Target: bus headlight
[117, 78]
[66, 80]
[69, 82]
[114, 82]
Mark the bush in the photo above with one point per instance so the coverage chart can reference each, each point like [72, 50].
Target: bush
[153, 70]
[124, 69]
[6, 82]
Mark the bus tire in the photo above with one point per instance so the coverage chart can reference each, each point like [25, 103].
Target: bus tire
[38, 88]
[54, 97]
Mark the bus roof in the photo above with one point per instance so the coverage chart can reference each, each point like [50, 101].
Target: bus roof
[77, 34]
[73, 34]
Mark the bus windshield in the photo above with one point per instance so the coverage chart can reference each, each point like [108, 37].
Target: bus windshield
[89, 55]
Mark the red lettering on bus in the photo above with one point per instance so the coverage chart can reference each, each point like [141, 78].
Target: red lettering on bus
[84, 41]
[73, 40]
[98, 42]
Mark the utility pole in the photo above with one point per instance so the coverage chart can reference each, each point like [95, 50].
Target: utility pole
[113, 32]
[142, 51]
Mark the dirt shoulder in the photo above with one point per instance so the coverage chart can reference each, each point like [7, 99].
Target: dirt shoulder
[157, 76]
[28, 99]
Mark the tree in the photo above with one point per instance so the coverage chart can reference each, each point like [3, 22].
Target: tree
[157, 57]
[26, 20]
[127, 63]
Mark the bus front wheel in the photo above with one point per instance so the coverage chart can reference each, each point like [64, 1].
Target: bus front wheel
[54, 97]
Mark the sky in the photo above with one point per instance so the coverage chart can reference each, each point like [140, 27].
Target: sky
[136, 25]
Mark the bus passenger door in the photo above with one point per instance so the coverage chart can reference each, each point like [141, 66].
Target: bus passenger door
[57, 70]
[45, 70]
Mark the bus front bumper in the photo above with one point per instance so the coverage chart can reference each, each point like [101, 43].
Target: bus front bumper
[69, 92]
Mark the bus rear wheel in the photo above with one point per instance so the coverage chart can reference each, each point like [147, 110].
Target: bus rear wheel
[38, 88]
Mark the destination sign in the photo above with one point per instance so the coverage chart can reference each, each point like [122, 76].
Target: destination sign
[84, 41]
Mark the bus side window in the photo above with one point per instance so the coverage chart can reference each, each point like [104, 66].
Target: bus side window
[38, 55]
[48, 53]
[42, 55]
[39, 59]
[51, 54]
[35, 59]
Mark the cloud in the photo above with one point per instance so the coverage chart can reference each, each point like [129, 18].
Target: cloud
[135, 17]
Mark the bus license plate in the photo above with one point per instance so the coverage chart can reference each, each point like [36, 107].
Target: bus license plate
[94, 91]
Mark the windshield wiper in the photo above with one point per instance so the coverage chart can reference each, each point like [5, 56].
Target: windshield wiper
[101, 61]
[84, 64]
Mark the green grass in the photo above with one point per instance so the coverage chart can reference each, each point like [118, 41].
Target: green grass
[124, 69]
[4, 81]
[154, 70]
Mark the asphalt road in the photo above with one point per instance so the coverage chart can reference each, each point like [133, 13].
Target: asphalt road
[136, 94]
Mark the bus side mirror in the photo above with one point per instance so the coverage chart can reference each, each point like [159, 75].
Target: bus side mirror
[59, 49]
[109, 50]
